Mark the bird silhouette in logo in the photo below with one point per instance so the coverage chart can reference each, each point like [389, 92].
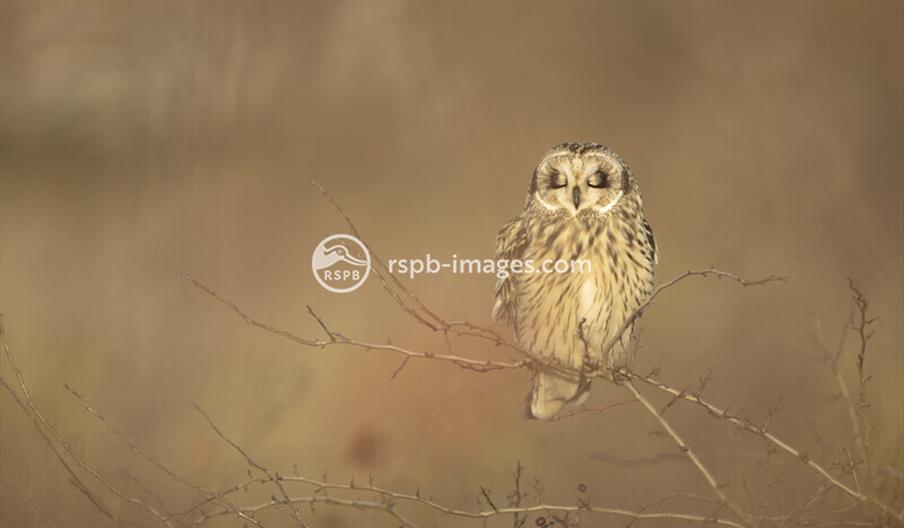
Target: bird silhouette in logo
[325, 257]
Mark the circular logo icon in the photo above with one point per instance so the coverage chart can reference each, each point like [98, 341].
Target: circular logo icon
[341, 263]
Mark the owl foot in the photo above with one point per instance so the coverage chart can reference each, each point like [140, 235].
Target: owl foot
[582, 393]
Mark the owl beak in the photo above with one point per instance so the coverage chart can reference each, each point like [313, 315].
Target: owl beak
[576, 196]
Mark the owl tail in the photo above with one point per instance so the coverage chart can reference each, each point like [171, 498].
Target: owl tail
[551, 393]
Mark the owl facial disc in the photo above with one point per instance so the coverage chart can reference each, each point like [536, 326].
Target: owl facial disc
[603, 209]
[571, 184]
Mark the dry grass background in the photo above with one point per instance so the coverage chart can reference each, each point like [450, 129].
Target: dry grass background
[143, 139]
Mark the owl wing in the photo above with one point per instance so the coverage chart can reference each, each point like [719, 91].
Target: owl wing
[651, 240]
[509, 244]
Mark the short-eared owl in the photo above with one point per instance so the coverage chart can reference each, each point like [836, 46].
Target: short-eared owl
[584, 207]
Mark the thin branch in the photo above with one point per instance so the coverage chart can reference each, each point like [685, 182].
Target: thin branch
[832, 361]
[417, 498]
[710, 272]
[771, 438]
[476, 331]
[336, 338]
[312, 500]
[864, 333]
[272, 477]
[490, 335]
[486, 514]
[594, 409]
[386, 500]
[41, 518]
[50, 434]
[516, 496]
[211, 495]
[691, 455]
[74, 478]
[389, 281]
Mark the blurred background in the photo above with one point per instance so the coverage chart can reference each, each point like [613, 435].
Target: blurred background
[144, 139]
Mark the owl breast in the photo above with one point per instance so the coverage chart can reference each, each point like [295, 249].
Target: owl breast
[569, 317]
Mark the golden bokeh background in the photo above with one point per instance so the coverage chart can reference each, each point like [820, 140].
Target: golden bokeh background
[145, 139]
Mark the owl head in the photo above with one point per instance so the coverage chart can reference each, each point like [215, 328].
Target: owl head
[580, 179]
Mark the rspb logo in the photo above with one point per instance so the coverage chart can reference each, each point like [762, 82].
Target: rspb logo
[341, 263]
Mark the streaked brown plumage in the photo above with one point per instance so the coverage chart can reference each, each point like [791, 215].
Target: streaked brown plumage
[583, 205]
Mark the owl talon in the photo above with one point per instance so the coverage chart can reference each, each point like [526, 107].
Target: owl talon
[582, 393]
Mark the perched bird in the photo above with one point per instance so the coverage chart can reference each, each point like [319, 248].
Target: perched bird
[583, 207]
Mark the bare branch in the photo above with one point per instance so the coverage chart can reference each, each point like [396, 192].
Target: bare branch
[772, 439]
[337, 338]
[212, 495]
[313, 499]
[686, 449]
[832, 362]
[417, 498]
[272, 477]
[476, 331]
[594, 409]
[465, 328]
[516, 496]
[520, 505]
[710, 272]
[864, 333]
[389, 281]
[41, 518]
[50, 435]
[482, 514]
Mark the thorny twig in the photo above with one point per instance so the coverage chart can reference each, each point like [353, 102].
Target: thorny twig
[61, 447]
[336, 338]
[758, 430]
[861, 326]
[689, 452]
[472, 330]
[387, 499]
[710, 272]
[593, 409]
[212, 495]
[832, 361]
[651, 380]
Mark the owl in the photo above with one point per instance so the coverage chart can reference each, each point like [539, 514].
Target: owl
[584, 208]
